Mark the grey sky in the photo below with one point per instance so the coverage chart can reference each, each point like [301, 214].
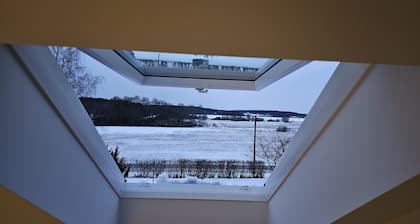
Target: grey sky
[295, 92]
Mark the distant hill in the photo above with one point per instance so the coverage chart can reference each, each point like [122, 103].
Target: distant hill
[119, 112]
[272, 113]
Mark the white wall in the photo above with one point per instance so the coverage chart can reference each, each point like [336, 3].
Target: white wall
[372, 145]
[41, 160]
[156, 211]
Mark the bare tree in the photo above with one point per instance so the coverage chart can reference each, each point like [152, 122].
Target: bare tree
[69, 60]
[271, 149]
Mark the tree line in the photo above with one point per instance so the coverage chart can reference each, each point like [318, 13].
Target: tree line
[120, 112]
[141, 111]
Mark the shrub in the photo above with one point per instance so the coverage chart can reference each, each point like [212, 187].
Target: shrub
[282, 129]
[183, 168]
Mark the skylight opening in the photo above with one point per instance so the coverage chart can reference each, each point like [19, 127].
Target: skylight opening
[168, 135]
[162, 64]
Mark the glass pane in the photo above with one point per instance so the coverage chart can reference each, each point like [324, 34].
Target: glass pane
[196, 61]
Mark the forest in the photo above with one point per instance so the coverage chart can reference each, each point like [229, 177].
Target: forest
[132, 112]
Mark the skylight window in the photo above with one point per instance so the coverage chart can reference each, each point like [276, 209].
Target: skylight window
[200, 66]
[196, 70]
[173, 135]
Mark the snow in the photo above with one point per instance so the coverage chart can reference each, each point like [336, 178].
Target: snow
[163, 178]
[222, 140]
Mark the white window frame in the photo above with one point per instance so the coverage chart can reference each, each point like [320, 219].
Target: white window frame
[46, 74]
[125, 65]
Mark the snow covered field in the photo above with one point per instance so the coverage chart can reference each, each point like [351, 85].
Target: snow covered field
[222, 140]
[163, 179]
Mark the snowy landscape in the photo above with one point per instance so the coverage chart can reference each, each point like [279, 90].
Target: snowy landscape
[192, 136]
[218, 140]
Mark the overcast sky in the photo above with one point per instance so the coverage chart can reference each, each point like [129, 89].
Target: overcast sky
[296, 92]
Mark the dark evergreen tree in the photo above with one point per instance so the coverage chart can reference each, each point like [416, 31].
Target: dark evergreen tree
[120, 161]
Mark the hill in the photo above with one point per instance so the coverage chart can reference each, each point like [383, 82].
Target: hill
[120, 112]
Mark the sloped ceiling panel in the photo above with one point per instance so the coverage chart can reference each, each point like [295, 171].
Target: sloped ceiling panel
[356, 31]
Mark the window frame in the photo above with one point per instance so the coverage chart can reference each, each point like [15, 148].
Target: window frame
[43, 69]
[123, 63]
